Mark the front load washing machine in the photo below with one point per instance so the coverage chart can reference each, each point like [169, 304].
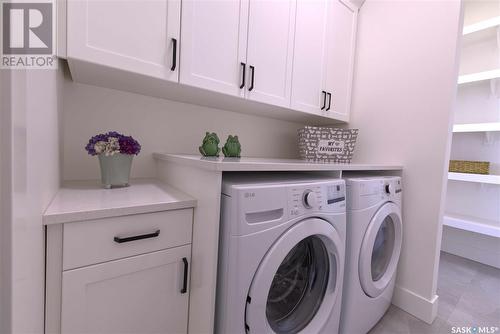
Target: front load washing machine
[281, 255]
[373, 245]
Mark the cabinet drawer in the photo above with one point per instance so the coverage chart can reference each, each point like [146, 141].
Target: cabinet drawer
[101, 240]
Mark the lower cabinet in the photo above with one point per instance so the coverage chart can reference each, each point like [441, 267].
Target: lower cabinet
[123, 274]
[141, 294]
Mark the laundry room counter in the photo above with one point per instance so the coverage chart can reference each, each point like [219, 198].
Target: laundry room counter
[87, 200]
[244, 164]
[201, 178]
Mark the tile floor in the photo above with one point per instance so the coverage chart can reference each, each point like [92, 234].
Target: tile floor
[469, 295]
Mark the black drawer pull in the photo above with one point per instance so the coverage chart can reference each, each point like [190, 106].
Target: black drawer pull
[137, 237]
[185, 280]
[174, 54]
[324, 99]
[329, 101]
[243, 65]
[253, 77]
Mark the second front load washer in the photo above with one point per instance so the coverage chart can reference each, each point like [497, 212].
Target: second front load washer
[373, 245]
[281, 255]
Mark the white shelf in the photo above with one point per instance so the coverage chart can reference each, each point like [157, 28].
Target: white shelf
[477, 127]
[473, 224]
[480, 76]
[478, 178]
[482, 25]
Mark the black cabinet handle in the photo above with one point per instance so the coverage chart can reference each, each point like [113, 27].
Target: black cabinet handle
[253, 77]
[137, 237]
[324, 99]
[243, 65]
[174, 54]
[185, 280]
[329, 101]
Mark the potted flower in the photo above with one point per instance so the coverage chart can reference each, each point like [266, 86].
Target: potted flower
[115, 152]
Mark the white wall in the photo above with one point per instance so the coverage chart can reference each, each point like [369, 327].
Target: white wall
[35, 175]
[160, 126]
[476, 103]
[404, 90]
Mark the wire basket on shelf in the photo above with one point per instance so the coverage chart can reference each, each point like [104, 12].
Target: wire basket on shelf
[325, 144]
[472, 167]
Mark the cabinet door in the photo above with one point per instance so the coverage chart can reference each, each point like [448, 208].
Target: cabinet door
[214, 44]
[134, 35]
[140, 294]
[271, 27]
[309, 57]
[342, 24]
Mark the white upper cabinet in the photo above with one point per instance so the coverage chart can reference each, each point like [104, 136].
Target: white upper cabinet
[214, 41]
[325, 39]
[294, 57]
[271, 26]
[240, 48]
[309, 59]
[134, 35]
[341, 41]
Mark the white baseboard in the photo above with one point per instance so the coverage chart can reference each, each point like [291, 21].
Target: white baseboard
[473, 246]
[416, 305]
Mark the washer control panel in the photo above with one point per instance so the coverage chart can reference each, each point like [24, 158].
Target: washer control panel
[364, 192]
[326, 196]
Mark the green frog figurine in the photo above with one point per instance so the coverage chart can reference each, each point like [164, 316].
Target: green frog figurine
[210, 146]
[232, 148]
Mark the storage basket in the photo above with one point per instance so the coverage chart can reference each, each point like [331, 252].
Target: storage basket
[473, 167]
[326, 144]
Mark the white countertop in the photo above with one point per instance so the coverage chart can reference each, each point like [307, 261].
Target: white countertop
[263, 164]
[85, 200]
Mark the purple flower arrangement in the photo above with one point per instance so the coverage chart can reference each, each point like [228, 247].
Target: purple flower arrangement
[111, 143]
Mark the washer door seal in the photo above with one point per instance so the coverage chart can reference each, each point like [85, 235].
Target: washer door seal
[380, 250]
[298, 281]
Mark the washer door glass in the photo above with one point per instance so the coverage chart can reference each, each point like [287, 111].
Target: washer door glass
[380, 249]
[298, 286]
[383, 248]
[298, 282]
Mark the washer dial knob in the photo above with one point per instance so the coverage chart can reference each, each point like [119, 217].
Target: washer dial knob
[310, 199]
[389, 188]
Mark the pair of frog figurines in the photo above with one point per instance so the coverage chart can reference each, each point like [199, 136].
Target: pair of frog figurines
[210, 146]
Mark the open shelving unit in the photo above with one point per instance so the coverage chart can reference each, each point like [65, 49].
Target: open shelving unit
[471, 224]
[477, 127]
[478, 178]
[481, 30]
[480, 45]
[479, 76]
[480, 26]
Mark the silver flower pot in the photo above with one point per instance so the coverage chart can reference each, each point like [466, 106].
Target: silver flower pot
[115, 170]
